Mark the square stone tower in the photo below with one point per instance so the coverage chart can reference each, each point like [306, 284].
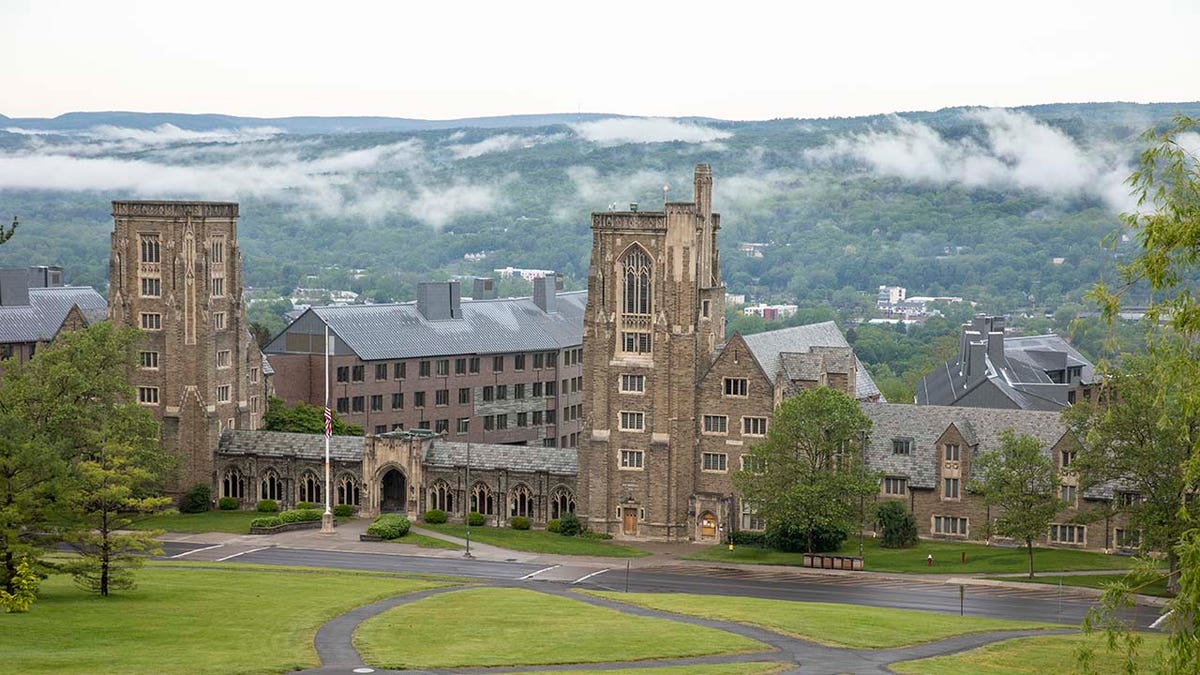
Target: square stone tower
[655, 313]
[176, 275]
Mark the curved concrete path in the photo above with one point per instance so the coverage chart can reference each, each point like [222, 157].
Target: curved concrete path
[335, 646]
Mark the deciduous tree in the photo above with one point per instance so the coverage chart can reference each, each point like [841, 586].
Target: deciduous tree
[303, 418]
[807, 475]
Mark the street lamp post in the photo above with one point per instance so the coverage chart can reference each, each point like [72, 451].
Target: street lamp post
[468, 500]
[327, 517]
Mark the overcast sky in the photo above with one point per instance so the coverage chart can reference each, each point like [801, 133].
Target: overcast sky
[441, 59]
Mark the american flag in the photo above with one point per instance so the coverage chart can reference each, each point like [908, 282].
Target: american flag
[328, 422]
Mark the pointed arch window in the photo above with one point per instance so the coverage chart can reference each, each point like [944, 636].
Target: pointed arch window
[520, 502]
[347, 490]
[482, 500]
[233, 485]
[441, 497]
[309, 489]
[272, 486]
[562, 502]
[636, 282]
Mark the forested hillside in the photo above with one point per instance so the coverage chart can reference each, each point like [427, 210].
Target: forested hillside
[1006, 207]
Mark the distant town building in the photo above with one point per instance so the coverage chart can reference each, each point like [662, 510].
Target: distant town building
[526, 274]
[771, 312]
[752, 249]
[895, 303]
[1040, 372]
[890, 296]
[735, 298]
[35, 307]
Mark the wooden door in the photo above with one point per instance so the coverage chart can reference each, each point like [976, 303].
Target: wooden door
[629, 521]
[708, 526]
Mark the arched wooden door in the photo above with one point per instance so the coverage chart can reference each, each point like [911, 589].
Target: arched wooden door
[708, 525]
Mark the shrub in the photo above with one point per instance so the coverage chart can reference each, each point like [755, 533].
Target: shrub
[267, 506]
[301, 515]
[266, 521]
[788, 537]
[196, 500]
[569, 525]
[343, 510]
[552, 525]
[389, 526]
[518, 523]
[227, 503]
[434, 516]
[898, 525]
[595, 535]
[25, 588]
[748, 538]
[305, 505]
[476, 519]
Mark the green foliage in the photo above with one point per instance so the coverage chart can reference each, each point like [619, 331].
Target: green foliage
[552, 525]
[197, 499]
[389, 526]
[898, 525]
[518, 523]
[1022, 481]
[343, 510]
[748, 538]
[25, 587]
[303, 418]
[300, 516]
[476, 519]
[570, 525]
[227, 503]
[434, 516]
[819, 539]
[812, 481]
[267, 506]
[267, 521]
[305, 505]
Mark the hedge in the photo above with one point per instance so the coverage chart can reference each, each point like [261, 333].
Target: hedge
[749, 538]
[267, 521]
[569, 525]
[198, 499]
[227, 503]
[267, 506]
[300, 515]
[434, 516]
[476, 519]
[552, 526]
[519, 523]
[343, 510]
[389, 526]
[305, 505]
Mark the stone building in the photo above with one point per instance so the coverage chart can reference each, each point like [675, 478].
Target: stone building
[669, 405]
[497, 371]
[406, 472]
[176, 275]
[35, 307]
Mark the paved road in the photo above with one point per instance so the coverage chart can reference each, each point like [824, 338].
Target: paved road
[983, 601]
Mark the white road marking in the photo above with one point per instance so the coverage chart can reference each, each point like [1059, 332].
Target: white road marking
[197, 550]
[230, 557]
[589, 576]
[534, 574]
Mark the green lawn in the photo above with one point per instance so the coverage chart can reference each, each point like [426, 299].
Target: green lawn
[749, 668]
[511, 626]
[829, 624]
[181, 620]
[540, 541]
[236, 522]
[947, 557]
[1157, 587]
[425, 541]
[1049, 654]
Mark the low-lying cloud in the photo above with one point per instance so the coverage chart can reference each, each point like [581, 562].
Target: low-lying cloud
[1017, 151]
[620, 130]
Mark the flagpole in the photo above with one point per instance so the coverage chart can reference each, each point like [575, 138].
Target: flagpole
[327, 518]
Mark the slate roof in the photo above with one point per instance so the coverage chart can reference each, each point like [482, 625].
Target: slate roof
[769, 347]
[400, 331]
[40, 320]
[924, 424]
[284, 444]
[512, 457]
[1035, 347]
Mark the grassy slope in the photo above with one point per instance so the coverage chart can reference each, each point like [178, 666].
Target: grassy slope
[236, 522]
[946, 558]
[750, 668]
[425, 541]
[508, 626]
[540, 541]
[237, 620]
[826, 623]
[1049, 654]
[1158, 587]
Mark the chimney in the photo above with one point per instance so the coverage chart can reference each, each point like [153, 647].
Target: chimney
[45, 276]
[995, 341]
[439, 300]
[14, 287]
[703, 187]
[483, 288]
[544, 294]
[558, 282]
[972, 363]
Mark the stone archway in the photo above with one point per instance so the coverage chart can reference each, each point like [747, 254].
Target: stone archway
[393, 491]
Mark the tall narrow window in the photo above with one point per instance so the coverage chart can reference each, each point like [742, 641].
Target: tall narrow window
[636, 282]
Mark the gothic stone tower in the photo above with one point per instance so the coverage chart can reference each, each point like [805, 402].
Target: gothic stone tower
[655, 312]
[176, 275]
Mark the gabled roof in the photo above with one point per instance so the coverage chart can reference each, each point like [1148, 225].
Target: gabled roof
[770, 346]
[527, 458]
[924, 424]
[40, 320]
[284, 444]
[399, 331]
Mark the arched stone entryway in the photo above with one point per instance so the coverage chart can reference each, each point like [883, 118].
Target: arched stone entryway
[393, 491]
[708, 525]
